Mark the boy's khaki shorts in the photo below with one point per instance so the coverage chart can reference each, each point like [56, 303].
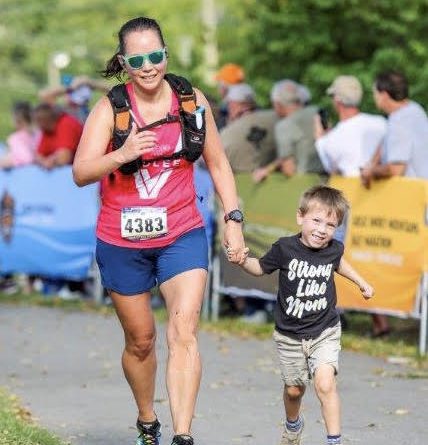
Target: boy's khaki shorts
[300, 358]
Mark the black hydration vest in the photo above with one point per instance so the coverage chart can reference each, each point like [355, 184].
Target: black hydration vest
[192, 125]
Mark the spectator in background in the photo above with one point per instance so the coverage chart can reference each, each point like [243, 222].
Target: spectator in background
[60, 136]
[348, 146]
[19, 151]
[249, 143]
[353, 141]
[405, 148]
[22, 143]
[228, 75]
[294, 135]
[240, 99]
[77, 92]
[248, 137]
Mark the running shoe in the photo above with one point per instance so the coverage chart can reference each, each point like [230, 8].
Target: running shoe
[150, 433]
[292, 437]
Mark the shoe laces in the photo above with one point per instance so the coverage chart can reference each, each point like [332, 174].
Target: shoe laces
[149, 434]
[147, 439]
[182, 439]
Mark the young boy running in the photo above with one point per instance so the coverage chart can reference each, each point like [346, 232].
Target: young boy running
[307, 328]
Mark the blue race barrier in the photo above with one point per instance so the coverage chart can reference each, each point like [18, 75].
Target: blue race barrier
[47, 223]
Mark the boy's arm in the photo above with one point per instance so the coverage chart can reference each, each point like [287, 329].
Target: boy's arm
[347, 271]
[252, 266]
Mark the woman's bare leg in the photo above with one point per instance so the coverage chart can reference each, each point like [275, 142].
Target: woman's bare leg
[183, 296]
[139, 355]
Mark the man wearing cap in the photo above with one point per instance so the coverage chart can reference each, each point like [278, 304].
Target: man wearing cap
[248, 136]
[294, 138]
[228, 75]
[347, 147]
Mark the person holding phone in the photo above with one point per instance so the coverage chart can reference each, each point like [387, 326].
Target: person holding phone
[351, 143]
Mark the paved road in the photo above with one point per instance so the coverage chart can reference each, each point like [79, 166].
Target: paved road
[66, 369]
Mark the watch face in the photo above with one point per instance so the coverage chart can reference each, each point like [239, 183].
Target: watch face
[236, 215]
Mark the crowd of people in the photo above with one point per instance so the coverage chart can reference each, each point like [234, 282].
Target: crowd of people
[140, 141]
[292, 139]
[47, 134]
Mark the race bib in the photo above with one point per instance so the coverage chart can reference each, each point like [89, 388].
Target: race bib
[138, 223]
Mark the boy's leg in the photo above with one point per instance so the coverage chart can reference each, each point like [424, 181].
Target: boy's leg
[295, 373]
[292, 401]
[324, 364]
[293, 426]
[326, 390]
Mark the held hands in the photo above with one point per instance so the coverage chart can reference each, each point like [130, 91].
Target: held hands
[234, 243]
[241, 255]
[137, 144]
[366, 290]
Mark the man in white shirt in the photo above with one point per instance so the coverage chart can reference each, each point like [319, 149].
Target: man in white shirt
[351, 144]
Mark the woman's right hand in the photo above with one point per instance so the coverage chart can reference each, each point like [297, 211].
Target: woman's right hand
[137, 144]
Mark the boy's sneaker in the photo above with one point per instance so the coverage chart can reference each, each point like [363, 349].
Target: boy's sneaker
[150, 433]
[182, 439]
[292, 437]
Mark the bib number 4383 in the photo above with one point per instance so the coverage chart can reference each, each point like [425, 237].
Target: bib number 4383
[139, 223]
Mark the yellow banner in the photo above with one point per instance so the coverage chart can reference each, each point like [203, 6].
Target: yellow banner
[387, 242]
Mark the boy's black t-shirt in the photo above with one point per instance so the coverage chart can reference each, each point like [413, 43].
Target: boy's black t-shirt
[306, 303]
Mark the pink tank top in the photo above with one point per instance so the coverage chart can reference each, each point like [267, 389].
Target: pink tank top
[154, 206]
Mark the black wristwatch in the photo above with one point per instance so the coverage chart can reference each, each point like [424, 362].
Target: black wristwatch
[235, 215]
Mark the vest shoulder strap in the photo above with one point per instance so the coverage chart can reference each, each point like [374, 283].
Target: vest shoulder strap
[184, 91]
[119, 100]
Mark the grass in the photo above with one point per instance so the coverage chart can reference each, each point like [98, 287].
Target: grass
[16, 426]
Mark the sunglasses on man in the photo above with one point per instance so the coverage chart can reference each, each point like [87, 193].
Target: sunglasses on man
[136, 61]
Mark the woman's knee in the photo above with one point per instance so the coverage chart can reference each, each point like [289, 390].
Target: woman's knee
[182, 335]
[141, 346]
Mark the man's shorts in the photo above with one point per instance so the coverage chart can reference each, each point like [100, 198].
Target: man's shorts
[300, 358]
[130, 271]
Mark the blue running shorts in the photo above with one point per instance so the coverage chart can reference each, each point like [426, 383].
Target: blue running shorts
[130, 271]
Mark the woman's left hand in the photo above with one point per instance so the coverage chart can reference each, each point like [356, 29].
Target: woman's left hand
[234, 243]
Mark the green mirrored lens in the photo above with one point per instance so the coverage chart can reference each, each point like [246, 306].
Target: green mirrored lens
[156, 57]
[136, 61]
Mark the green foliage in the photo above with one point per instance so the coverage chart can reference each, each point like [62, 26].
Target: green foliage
[313, 41]
[32, 31]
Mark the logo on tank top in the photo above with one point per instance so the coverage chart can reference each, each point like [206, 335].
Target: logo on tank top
[153, 175]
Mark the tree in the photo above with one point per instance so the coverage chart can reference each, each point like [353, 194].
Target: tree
[312, 41]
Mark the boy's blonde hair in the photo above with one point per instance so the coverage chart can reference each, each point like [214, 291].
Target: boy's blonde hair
[329, 197]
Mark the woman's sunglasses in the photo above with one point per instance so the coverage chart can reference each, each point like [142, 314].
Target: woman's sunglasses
[136, 61]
